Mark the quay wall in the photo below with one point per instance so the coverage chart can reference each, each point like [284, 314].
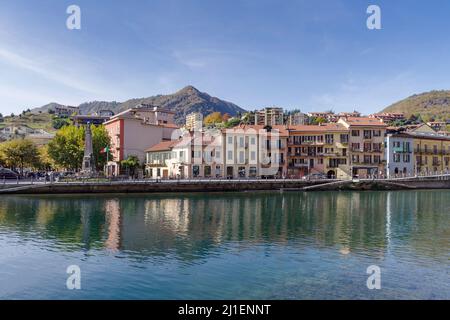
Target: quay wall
[223, 186]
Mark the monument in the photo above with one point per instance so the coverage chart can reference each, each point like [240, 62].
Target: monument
[88, 166]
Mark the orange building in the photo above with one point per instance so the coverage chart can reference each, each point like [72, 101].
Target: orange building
[318, 150]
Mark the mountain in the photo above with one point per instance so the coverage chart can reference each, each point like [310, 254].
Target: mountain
[47, 107]
[183, 102]
[430, 105]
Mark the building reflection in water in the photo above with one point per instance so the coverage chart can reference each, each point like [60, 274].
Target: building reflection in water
[192, 226]
[112, 220]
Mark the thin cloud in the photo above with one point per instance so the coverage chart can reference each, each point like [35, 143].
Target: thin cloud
[19, 61]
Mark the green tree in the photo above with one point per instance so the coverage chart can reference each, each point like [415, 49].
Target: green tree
[233, 122]
[130, 164]
[100, 141]
[58, 123]
[67, 147]
[20, 153]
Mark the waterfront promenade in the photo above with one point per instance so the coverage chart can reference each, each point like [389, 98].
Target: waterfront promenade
[220, 185]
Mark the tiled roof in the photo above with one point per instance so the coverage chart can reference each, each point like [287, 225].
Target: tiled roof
[163, 146]
[330, 127]
[364, 121]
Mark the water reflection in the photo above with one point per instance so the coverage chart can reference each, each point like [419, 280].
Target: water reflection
[193, 226]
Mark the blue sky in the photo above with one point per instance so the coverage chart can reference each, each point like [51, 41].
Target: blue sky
[313, 55]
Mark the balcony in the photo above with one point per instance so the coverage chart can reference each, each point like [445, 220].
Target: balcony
[401, 150]
[298, 165]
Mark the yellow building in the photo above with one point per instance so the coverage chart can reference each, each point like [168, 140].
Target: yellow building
[366, 141]
[432, 153]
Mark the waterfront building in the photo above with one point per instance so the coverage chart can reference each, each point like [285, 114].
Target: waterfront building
[432, 153]
[256, 151]
[135, 130]
[194, 121]
[157, 159]
[399, 155]
[366, 141]
[246, 151]
[318, 149]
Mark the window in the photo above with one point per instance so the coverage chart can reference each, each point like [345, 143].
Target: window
[252, 140]
[329, 138]
[406, 158]
[252, 172]
[355, 133]
[344, 138]
[241, 142]
[241, 157]
[253, 155]
[377, 133]
[230, 140]
[356, 147]
[230, 155]
[396, 157]
[367, 134]
[195, 171]
[207, 171]
[367, 159]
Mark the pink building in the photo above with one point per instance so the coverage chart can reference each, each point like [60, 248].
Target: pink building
[135, 130]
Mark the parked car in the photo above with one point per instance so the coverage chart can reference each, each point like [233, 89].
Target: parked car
[8, 174]
[317, 176]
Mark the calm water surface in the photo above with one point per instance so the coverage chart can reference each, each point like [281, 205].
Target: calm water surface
[266, 245]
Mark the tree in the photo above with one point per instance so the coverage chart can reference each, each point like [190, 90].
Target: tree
[130, 164]
[100, 141]
[213, 118]
[67, 147]
[233, 122]
[58, 123]
[46, 163]
[20, 153]
[317, 120]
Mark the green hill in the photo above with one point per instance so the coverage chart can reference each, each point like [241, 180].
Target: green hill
[430, 105]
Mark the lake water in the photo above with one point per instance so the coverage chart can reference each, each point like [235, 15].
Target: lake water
[266, 245]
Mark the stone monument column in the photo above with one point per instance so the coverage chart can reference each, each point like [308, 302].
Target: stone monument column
[88, 166]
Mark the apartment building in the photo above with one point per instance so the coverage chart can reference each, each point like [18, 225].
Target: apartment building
[366, 141]
[194, 121]
[271, 116]
[318, 149]
[135, 130]
[388, 116]
[431, 152]
[297, 119]
[242, 152]
[399, 155]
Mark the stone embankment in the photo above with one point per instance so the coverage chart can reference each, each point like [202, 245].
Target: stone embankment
[225, 186]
